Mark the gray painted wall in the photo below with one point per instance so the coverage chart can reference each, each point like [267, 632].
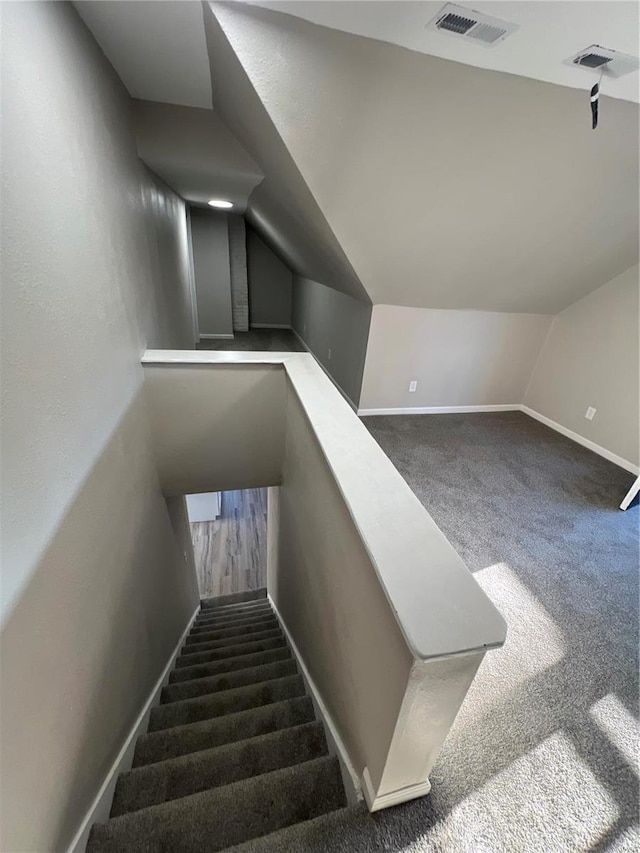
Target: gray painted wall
[335, 327]
[95, 589]
[270, 284]
[458, 358]
[591, 358]
[211, 266]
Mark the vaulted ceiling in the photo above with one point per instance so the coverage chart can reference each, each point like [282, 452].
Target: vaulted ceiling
[395, 175]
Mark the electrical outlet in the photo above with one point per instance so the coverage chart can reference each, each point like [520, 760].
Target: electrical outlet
[413, 385]
[590, 413]
[304, 328]
[329, 355]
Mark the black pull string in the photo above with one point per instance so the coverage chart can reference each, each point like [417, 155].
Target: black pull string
[595, 94]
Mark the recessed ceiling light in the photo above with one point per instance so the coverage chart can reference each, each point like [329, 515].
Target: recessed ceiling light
[219, 202]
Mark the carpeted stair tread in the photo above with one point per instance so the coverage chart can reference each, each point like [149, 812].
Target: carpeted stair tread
[233, 611]
[227, 681]
[211, 768]
[233, 619]
[222, 817]
[231, 651]
[348, 830]
[181, 740]
[215, 625]
[212, 645]
[237, 631]
[206, 670]
[225, 702]
[235, 598]
[209, 616]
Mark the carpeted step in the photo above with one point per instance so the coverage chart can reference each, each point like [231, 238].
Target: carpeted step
[253, 612]
[211, 634]
[237, 622]
[234, 598]
[181, 740]
[221, 817]
[247, 612]
[215, 625]
[211, 768]
[348, 830]
[231, 651]
[224, 702]
[227, 681]
[212, 645]
[206, 670]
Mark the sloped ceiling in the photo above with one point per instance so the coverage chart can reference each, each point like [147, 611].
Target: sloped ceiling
[281, 208]
[391, 174]
[446, 186]
[157, 48]
[166, 60]
[548, 33]
[195, 153]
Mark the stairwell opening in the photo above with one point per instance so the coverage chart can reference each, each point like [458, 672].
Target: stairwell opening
[229, 537]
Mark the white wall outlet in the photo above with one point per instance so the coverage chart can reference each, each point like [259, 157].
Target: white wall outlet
[329, 355]
[413, 385]
[590, 413]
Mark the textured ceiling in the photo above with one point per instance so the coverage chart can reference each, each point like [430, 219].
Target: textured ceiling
[447, 186]
[391, 174]
[157, 48]
[195, 153]
[548, 34]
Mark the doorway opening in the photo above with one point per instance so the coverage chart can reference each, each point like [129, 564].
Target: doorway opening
[229, 535]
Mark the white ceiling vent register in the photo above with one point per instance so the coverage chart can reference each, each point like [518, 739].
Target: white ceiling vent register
[470, 25]
[605, 61]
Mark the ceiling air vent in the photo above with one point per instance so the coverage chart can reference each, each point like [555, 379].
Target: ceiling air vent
[470, 25]
[609, 62]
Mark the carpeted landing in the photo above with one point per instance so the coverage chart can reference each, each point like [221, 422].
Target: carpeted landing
[543, 756]
[233, 752]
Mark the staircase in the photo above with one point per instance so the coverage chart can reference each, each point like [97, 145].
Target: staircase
[233, 754]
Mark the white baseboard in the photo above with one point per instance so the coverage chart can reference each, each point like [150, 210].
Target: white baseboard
[322, 367]
[334, 741]
[394, 798]
[270, 325]
[511, 407]
[442, 410]
[585, 442]
[216, 337]
[101, 806]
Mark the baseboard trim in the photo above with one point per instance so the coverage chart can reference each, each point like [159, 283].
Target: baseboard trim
[326, 372]
[585, 442]
[101, 806]
[270, 325]
[442, 410]
[216, 337]
[394, 798]
[335, 743]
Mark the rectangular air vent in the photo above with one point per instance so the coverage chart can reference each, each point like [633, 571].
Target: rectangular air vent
[603, 60]
[476, 26]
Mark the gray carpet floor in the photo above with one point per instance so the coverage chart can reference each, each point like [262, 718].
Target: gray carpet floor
[543, 756]
[260, 340]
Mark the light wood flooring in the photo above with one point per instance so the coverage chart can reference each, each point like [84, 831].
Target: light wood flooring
[231, 552]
